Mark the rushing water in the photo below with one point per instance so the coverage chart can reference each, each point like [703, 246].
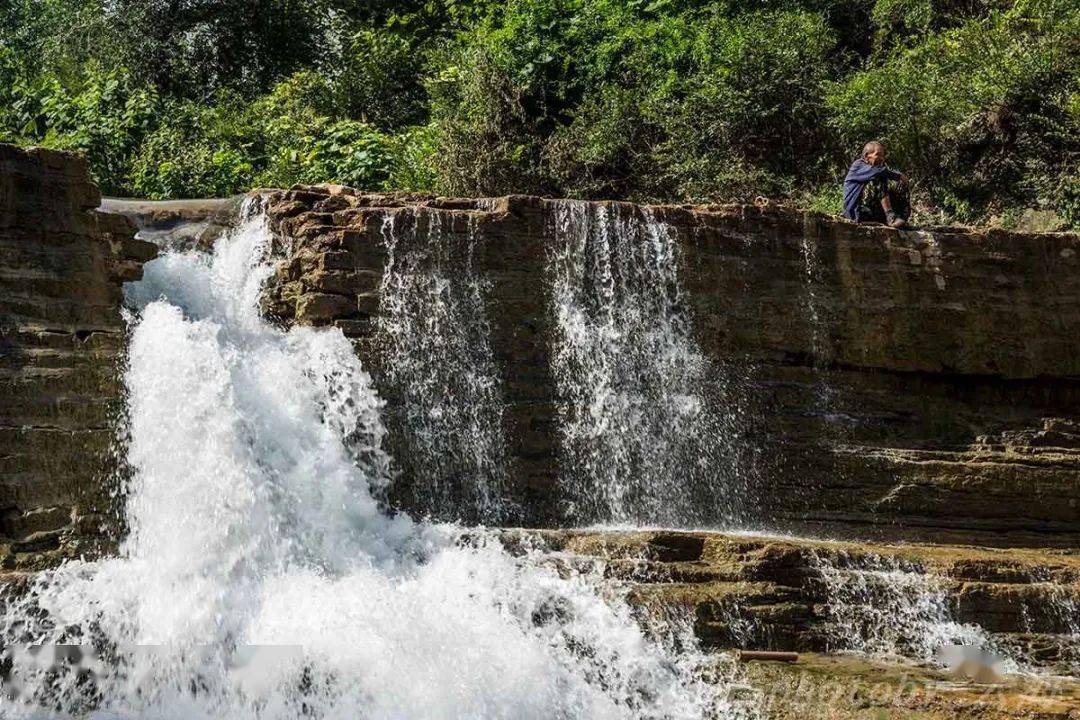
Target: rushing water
[256, 459]
[642, 439]
[888, 607]
[435, 349]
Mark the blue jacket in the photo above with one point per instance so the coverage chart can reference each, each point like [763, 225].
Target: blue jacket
[860, 173]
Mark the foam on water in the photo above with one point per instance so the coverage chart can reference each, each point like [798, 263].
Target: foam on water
[257, 461]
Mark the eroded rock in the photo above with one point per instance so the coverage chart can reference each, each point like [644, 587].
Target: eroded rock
[770, 593]
[62, 263]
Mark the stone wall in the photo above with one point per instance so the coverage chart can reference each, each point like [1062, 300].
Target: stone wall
[333, 274]
[921, 385]
[62, 264]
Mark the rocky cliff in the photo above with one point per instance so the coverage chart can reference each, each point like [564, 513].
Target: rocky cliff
[62, 264]
[924, 378]
[922, 385]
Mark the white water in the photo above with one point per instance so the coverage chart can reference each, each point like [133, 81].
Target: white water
[256, 455]
[820, 347]
[885, 607]
[435, 340]
[642, 441]
[1057, 609]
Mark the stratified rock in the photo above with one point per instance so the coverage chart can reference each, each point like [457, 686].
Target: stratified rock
[62, 264]
[768, 593]
[889, 384]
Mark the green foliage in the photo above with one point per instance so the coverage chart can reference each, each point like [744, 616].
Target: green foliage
[57, 37]
[1069, 196]
[281, 139]
[195, 48]
[977, 100]
[411, 157]
[379, 80]
[484, 135]
[346, 151]
[741, 125]
[979, 113]
[900, 22]
[195, 152]
[594, 98]
[303, 145]
[915, 16]
[104, 116]
[828, 199]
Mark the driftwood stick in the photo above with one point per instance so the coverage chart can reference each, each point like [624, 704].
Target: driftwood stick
[779, 656]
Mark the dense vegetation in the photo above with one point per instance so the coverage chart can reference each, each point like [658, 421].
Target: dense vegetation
[977, 100]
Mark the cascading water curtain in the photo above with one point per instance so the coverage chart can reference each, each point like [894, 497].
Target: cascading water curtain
[888, 607]
[437, 364]
[262, 580]
[643, 441]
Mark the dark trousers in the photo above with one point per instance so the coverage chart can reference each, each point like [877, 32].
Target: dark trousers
[870, 209]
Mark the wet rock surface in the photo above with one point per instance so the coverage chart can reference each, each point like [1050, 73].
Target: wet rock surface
[890, 385]
[774, 593]
[838, 688]
[177, 224]
[62, 264]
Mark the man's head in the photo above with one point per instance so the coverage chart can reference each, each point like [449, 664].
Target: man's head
[873, 152]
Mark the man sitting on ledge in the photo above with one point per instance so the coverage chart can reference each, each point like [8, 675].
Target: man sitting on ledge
[873, 192]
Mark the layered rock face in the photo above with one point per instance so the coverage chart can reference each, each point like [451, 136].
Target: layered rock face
[775, 593]
[335, 274]
[62, 264]
[927, 378]
[921, 385]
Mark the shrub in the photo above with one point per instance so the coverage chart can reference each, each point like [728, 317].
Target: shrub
[197, 152]
[978, 113]
[412, 154]
[485, 139]
[304, 145]
[748, 121]
[282, 138]
[105, 117]
[594, 99]
[379, 80]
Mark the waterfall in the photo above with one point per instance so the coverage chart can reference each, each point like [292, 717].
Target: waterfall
[262, 578]
[1056, 609]
[435, 351]
[820, 347]
[811, 273]
[887, 607]
[641, 438]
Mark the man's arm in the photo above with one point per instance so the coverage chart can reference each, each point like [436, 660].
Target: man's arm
[895, 175]
[863, 172]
